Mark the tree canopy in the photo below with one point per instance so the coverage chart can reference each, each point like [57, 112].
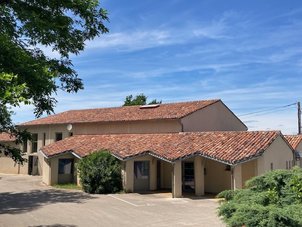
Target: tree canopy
[27, 74]
[273, 199]
[100, 173]
[140, 99]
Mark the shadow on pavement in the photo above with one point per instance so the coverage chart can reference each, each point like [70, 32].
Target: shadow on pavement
[14, 203]
[55, 225]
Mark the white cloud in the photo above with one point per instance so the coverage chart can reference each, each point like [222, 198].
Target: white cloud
[216, 30]
[130, 40]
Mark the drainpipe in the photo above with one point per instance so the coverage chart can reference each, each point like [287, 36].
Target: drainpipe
[182, 126]
[232, 178]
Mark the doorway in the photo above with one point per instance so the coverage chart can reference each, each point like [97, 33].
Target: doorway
[141, 176]
[33, 165]
[188, 177]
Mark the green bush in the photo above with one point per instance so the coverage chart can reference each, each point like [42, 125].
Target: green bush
[273, 199]
[100, 173]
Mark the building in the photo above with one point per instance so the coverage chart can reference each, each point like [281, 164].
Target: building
[198, 146]
[196, 162]
[7, 165]
[296, 142]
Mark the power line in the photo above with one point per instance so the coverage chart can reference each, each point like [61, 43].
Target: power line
[268, 110]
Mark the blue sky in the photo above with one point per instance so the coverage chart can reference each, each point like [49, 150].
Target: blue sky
[247, 53]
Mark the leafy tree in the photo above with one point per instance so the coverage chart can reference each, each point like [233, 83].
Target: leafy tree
[27, 74]
[100, 173]
[273, 199]
[139, 100]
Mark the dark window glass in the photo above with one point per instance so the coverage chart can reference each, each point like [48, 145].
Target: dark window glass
[25, 146]
[227, 168]
[188, 176]
[65, 166]
[71, 134]
[44, 139]
[34, 143]
[141, 169]
[59, 136]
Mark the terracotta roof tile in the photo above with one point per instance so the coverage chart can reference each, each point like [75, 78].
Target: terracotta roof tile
[294, 140]
[127, 113]
[228, 147]
[6, 137]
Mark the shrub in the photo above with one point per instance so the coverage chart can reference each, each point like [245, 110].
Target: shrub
[273, 199]
[100, 173]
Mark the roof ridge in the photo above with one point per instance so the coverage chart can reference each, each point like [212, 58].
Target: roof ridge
[133, 106]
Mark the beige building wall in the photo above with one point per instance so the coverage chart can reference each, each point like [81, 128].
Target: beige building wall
[7, 165]
[249, 170]
[217, 178]
[275, 157]
[154, 126]
[216, 117]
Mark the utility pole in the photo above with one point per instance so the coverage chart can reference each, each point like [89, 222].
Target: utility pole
[299, 118]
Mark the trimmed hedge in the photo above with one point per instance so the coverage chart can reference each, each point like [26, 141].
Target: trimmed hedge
[100, 173]
[273, 199]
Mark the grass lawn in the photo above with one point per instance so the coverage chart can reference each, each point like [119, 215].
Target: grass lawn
[68, 186]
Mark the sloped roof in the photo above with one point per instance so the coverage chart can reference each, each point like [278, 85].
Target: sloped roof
[6, 137]
[227, 147]
[125, 113]
[294, 140]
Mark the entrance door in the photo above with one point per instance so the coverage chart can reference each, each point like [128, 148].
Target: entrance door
[188, 177]
[141, 176]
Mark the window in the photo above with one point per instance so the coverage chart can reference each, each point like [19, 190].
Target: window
[65, 166]
[59, 136]
[272, 166]
[141, 169]
[71, 134]
[44, 139]
[25, 146]
[34, 143]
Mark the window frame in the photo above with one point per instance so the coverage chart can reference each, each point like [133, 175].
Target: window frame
[34, 143]
[62, 163]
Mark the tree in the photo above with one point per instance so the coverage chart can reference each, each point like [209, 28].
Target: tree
[140, 99]
[100, 173]
[273, 199]
[27, 75]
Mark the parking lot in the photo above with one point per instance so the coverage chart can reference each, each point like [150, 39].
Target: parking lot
[24, 201]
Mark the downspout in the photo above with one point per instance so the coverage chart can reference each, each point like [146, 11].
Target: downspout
[232, 178]
[181, 125]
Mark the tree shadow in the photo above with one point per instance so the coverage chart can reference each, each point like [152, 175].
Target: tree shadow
[15, 203]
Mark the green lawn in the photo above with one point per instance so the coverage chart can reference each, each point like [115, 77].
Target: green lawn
[68, 186]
